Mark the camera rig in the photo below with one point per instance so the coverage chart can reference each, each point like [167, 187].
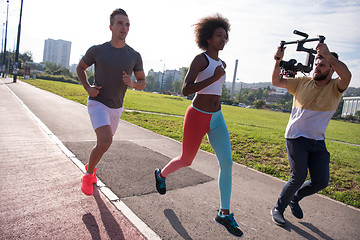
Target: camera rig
[288, 68]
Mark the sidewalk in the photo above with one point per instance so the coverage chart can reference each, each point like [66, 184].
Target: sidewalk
[187, 210]
[40, 194]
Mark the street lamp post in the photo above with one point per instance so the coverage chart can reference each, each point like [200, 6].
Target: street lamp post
[15, 69]
[233, 83]
[162, 79]
[4, 59]
[2, 38]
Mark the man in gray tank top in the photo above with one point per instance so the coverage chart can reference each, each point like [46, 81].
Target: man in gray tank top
[115, 62]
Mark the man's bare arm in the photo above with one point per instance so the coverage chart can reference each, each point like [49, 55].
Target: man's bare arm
[277, 79]
[93, 91]
[339, 67]
[140, 80]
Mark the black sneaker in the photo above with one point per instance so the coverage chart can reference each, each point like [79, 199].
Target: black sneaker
[228, 221]
[160, 182]
[277, 217]
[296, 209]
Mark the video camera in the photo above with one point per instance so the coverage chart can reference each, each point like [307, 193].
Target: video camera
[288, 68]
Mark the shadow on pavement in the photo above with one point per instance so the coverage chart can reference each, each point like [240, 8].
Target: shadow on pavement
[291, 227]
[91, 225]
[176, 224]
[111, 226]
[128, 168]
[316, 230]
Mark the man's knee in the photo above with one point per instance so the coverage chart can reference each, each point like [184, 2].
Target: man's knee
[321, 183]
[297, 181]
[104, 138]
[104, 144]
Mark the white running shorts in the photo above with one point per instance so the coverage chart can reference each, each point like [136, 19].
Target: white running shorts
[101, 115]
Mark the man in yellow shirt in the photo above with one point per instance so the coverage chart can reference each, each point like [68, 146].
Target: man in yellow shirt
[315, 102]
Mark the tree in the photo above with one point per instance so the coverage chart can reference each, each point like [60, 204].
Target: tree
[239, 97]
[184, 72]
[357, 115]
[288, 105]
[266, 93]
[352, 92]
[66, 72]
[26, 57]
[168, 84]
[63, 71]
[350, 117]
[259, 93]
[338, 111]
[225, 95]
[50, 68]
[251, 98]
[90, 76]
[150, 83]
[259, 104]
[54, 69]
[288, 97]
[57, 72]
[177, 86]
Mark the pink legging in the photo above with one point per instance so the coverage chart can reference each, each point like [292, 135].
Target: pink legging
[197, 123]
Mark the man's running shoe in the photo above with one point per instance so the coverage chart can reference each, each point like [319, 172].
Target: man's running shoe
[228, 221]
[87, 184]
[160, 182]
[296, 209]
[95, 178]
[277, 217]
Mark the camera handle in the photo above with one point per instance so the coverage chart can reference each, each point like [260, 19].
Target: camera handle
[310, 52]
[300, 43]
[300, 48]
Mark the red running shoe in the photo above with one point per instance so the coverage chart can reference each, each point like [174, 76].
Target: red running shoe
[87, 184]
[95, 178]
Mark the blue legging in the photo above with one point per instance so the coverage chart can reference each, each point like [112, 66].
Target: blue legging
[197, 123]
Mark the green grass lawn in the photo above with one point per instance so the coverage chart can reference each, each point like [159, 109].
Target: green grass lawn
[257, 136]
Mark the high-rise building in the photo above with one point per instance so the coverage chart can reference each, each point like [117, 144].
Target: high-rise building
[57, 52]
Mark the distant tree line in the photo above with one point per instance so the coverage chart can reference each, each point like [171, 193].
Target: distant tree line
[48, 70]
[256, 98]
[10, 59]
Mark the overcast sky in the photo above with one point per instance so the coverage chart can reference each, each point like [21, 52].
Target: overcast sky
[162, 30]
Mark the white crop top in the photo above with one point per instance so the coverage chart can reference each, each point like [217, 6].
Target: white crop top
[216, 87]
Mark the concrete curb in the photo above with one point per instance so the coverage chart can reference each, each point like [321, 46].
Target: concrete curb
[112, 197]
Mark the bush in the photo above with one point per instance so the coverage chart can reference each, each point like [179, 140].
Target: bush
[259, 104]
[59, 78]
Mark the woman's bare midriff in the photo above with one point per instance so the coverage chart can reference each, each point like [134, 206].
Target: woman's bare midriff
[207, 103]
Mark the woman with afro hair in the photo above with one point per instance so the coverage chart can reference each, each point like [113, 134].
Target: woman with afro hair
[205, 78]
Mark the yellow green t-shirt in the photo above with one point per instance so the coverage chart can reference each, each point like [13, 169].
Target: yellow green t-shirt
[313, 107]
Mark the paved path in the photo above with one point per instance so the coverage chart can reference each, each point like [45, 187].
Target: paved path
[54, 205]
[39, 195]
